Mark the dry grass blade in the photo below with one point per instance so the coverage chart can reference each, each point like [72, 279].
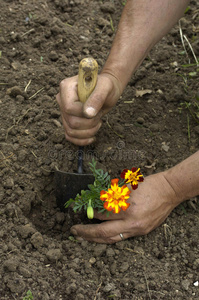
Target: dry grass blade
[26, 87]
[197, 63]
[36, 93]
[183, 37]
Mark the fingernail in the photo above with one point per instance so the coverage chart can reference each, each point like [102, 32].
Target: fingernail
[91, 140]
[90, 111]
[73, 231]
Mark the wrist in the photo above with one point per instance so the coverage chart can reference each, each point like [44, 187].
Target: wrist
[177, 196]
[184, 178]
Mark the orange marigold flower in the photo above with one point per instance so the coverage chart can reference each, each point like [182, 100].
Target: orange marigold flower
[132, 176]
[115, 198]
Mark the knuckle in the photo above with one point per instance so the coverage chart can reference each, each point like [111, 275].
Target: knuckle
[70, 132]
[101, 233]
[67, 108]
[73, 123]
[63, 83]
[141, 227]
[110, 241]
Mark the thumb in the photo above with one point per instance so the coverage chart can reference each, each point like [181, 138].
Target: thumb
[95, 102]
[105, 91]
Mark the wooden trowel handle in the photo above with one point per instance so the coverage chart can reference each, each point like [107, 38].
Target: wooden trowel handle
[87, 78]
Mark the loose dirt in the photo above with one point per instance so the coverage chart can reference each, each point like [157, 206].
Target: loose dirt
[41, 43]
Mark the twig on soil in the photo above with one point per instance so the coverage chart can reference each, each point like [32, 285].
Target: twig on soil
[99, 286]
[17, 122]
[36, 93]
[21, 117]
[107, 122]
[134, 251]
[26, 87]
[29, 31]
[5, 158]
[33, 153]
[147, 285]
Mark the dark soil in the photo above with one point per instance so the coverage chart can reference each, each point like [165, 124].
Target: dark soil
[41, 43]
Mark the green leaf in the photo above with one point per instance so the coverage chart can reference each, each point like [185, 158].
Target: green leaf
[187, 9]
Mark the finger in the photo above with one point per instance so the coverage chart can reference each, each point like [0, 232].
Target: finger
[106, 232]
[74, 122]
[81, 134]
[110, 240]
[80, 142]
[111, 216]
[68, 97]
[70, 107]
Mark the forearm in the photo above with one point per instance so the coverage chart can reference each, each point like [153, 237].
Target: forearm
[184, 178]
[143, 23]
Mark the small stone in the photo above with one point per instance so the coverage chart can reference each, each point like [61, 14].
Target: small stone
[16, 66]
[140, 120]
[185, 284]
[110, 252]
[57, 137]
[109, 287]
[92, 260]
[37, 240]
[57, 123]
[11, 265]
[10, 209]
[53, 56]
[9, 183]
[100, 249]
[154, 127]
[102, 22]
[60, 217]
[107, 8]
[54, 255]
[113, 268]
[165, 147]
[14, 91]
[196, 283]
[26, 230]
[124, 267]
[20, 98]
[55, 113]
[22, 155]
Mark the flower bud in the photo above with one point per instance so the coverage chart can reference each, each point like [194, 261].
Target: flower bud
[90, 212]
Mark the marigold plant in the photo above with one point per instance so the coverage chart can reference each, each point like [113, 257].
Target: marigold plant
[106, 195]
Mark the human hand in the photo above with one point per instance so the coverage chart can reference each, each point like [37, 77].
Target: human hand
[151, 203]
[82, 121]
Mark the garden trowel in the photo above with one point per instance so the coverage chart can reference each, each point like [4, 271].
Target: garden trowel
[68, 185]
